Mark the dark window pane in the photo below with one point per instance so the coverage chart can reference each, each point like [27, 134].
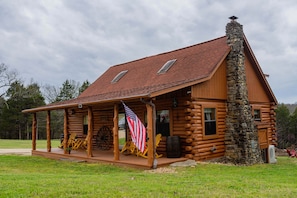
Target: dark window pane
[163, 123]
[210, 121]
[210, 128]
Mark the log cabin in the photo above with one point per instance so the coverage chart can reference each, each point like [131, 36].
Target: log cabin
[209, 100]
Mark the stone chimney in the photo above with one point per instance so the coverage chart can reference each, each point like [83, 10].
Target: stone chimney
[241, 137]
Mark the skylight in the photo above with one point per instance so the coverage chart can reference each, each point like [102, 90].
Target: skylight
[166, 66]
[119, 76]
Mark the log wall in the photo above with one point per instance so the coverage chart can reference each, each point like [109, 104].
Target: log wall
[268, 122]
[197, 146]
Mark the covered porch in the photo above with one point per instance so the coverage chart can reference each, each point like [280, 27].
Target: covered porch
[99, 115]
[100, 156]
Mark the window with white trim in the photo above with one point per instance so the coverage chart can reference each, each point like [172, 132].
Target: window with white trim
[210, 122]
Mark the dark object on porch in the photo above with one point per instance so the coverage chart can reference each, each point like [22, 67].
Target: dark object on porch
[104, 139]
[173, 149]
[61, 138]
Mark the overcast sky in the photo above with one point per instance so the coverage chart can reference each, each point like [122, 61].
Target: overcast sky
[50, 41]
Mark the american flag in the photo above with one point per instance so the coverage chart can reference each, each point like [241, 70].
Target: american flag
[137, 129]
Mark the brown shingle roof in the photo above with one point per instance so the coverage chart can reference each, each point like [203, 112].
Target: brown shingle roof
[193, 64]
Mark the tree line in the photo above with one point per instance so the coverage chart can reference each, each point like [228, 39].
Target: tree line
[15, 96]
[286, 123]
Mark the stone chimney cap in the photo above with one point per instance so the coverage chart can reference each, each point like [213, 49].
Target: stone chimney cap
[233, 18]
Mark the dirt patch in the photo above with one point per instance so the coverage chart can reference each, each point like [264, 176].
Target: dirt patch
[162, 170]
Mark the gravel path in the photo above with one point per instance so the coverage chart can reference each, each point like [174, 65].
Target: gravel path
[16, 151]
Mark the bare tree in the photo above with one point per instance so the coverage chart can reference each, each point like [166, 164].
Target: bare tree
[7, 77]
[50, 93]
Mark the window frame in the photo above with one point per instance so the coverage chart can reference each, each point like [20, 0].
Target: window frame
[158, 124]
[211, 136]
[85, 124]
[260, 114]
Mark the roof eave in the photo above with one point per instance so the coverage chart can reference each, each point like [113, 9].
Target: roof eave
[88, 103]
[249, 49]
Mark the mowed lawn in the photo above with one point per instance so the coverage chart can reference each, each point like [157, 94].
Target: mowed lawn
[11, 144]
[31, 176]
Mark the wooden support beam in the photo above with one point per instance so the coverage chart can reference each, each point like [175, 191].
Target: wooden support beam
[150, 133]
[116, 133]
[90, 132]
[48, 131]
[65, 141]
[34, 129]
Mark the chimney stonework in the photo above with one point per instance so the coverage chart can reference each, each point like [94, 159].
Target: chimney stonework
[241, 138]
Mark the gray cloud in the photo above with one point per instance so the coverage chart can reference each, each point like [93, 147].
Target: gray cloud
[51, 41]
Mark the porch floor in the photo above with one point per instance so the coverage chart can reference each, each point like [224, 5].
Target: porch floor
[100, 156]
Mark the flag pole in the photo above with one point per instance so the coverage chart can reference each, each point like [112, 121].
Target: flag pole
[155, 161]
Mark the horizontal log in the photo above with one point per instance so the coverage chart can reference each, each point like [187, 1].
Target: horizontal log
[195, 121]
[189, 156]
[188, 110]
[189, 140]
[188, 148]
[197, 106]
[208, 145]
[188, 118]
[197, 116]
[220, 148]
[207, 156]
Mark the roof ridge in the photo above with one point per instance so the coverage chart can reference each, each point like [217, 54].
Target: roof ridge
[169, 51]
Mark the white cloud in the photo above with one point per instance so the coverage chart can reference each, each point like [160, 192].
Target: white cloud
[51, 41]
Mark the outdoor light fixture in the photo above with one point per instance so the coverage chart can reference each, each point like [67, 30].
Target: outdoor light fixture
[174, 102]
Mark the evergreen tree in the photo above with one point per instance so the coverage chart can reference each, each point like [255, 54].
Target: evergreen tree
[69, 90]
[282, 124]
[84, 86]
[15, 124]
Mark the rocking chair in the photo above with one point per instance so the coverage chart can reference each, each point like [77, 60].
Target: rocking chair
[157, 142]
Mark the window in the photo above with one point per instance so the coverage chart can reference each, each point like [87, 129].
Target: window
[210, 124]
[163, 123]
[85, 124]
[122, 121]
[119, 76]
[166, 66]
[257, 114]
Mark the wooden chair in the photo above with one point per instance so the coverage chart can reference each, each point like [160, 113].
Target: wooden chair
[157, 142]
[77, 144]
[73, 142]
[129, 147]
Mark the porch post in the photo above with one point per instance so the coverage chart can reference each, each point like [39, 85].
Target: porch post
[34, 127]
[90, 132]
[116, 132]
[150, 134]
[48, 131]
[65, 141]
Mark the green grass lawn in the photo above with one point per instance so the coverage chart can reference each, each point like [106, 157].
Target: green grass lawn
[11, 144]
[31, 176]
